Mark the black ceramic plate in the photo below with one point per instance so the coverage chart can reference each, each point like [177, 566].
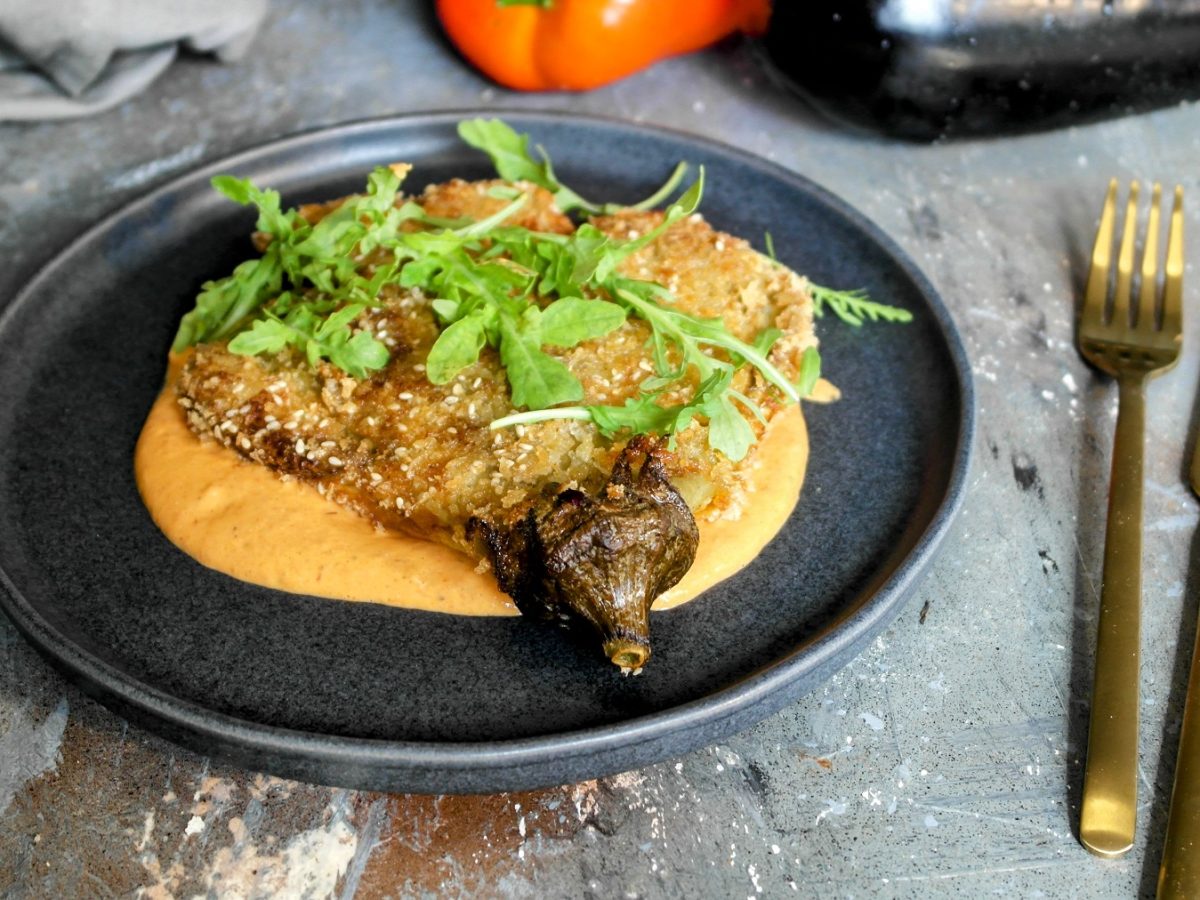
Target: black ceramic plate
[367, 696]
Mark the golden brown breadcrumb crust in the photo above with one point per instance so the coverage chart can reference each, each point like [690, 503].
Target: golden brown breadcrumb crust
[421, 458]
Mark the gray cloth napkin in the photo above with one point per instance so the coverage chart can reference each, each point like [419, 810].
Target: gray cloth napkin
[64, 58]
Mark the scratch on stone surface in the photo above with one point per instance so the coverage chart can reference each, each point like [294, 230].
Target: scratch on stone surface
[120, 754]
[1050, 792]
[975, 814]
[1018, 699]
[30, 750]
[990, 735]
[1087, 576]
[368, 840]
[987, 870]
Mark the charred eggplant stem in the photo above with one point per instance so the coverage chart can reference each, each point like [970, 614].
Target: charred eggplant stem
[602, 559]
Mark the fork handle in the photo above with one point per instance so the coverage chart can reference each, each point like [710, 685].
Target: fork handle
[1106, 823]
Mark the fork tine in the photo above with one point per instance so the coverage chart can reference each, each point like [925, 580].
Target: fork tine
[1120, 313]
[1097, 283]
[1145, 308]
[1173, 282]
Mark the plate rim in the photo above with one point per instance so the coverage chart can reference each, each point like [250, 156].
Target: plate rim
[473, 766]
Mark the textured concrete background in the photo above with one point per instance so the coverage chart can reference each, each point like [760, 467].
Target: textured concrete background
[944, 761]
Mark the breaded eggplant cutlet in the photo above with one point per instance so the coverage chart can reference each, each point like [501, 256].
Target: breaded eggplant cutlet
[554, 507]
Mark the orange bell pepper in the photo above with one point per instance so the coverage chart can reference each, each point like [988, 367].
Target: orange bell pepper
[576, 45]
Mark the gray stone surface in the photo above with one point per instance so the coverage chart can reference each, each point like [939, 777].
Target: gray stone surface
[945, 761]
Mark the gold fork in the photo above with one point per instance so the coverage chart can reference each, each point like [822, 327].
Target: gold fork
[1132, 343]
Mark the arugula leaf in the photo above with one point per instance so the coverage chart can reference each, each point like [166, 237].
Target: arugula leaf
[728, 430]
[360, 355]
[510, 155]
[271, 218]
[457, 347]
[336, 327]
[509, 152]
[483, 226]
[853, 307]
[537, 380]
[263, 336]
[571, 320]
[639, 415]
[766, 340]
[239, 190]
[447, 310]
[583, 256]
[224, 304]
[690, 334]
[810, 371]
[770, 244]
[665, 191]
[329, 338]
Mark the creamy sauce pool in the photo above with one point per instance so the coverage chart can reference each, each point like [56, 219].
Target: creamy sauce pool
[239, 518]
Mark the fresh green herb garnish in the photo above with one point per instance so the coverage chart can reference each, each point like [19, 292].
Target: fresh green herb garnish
[770, 242]
[497, 285]
[324, 257]
[854, 307]
[487, 298]
[509, 152]
[330, 338]
[810, 371]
